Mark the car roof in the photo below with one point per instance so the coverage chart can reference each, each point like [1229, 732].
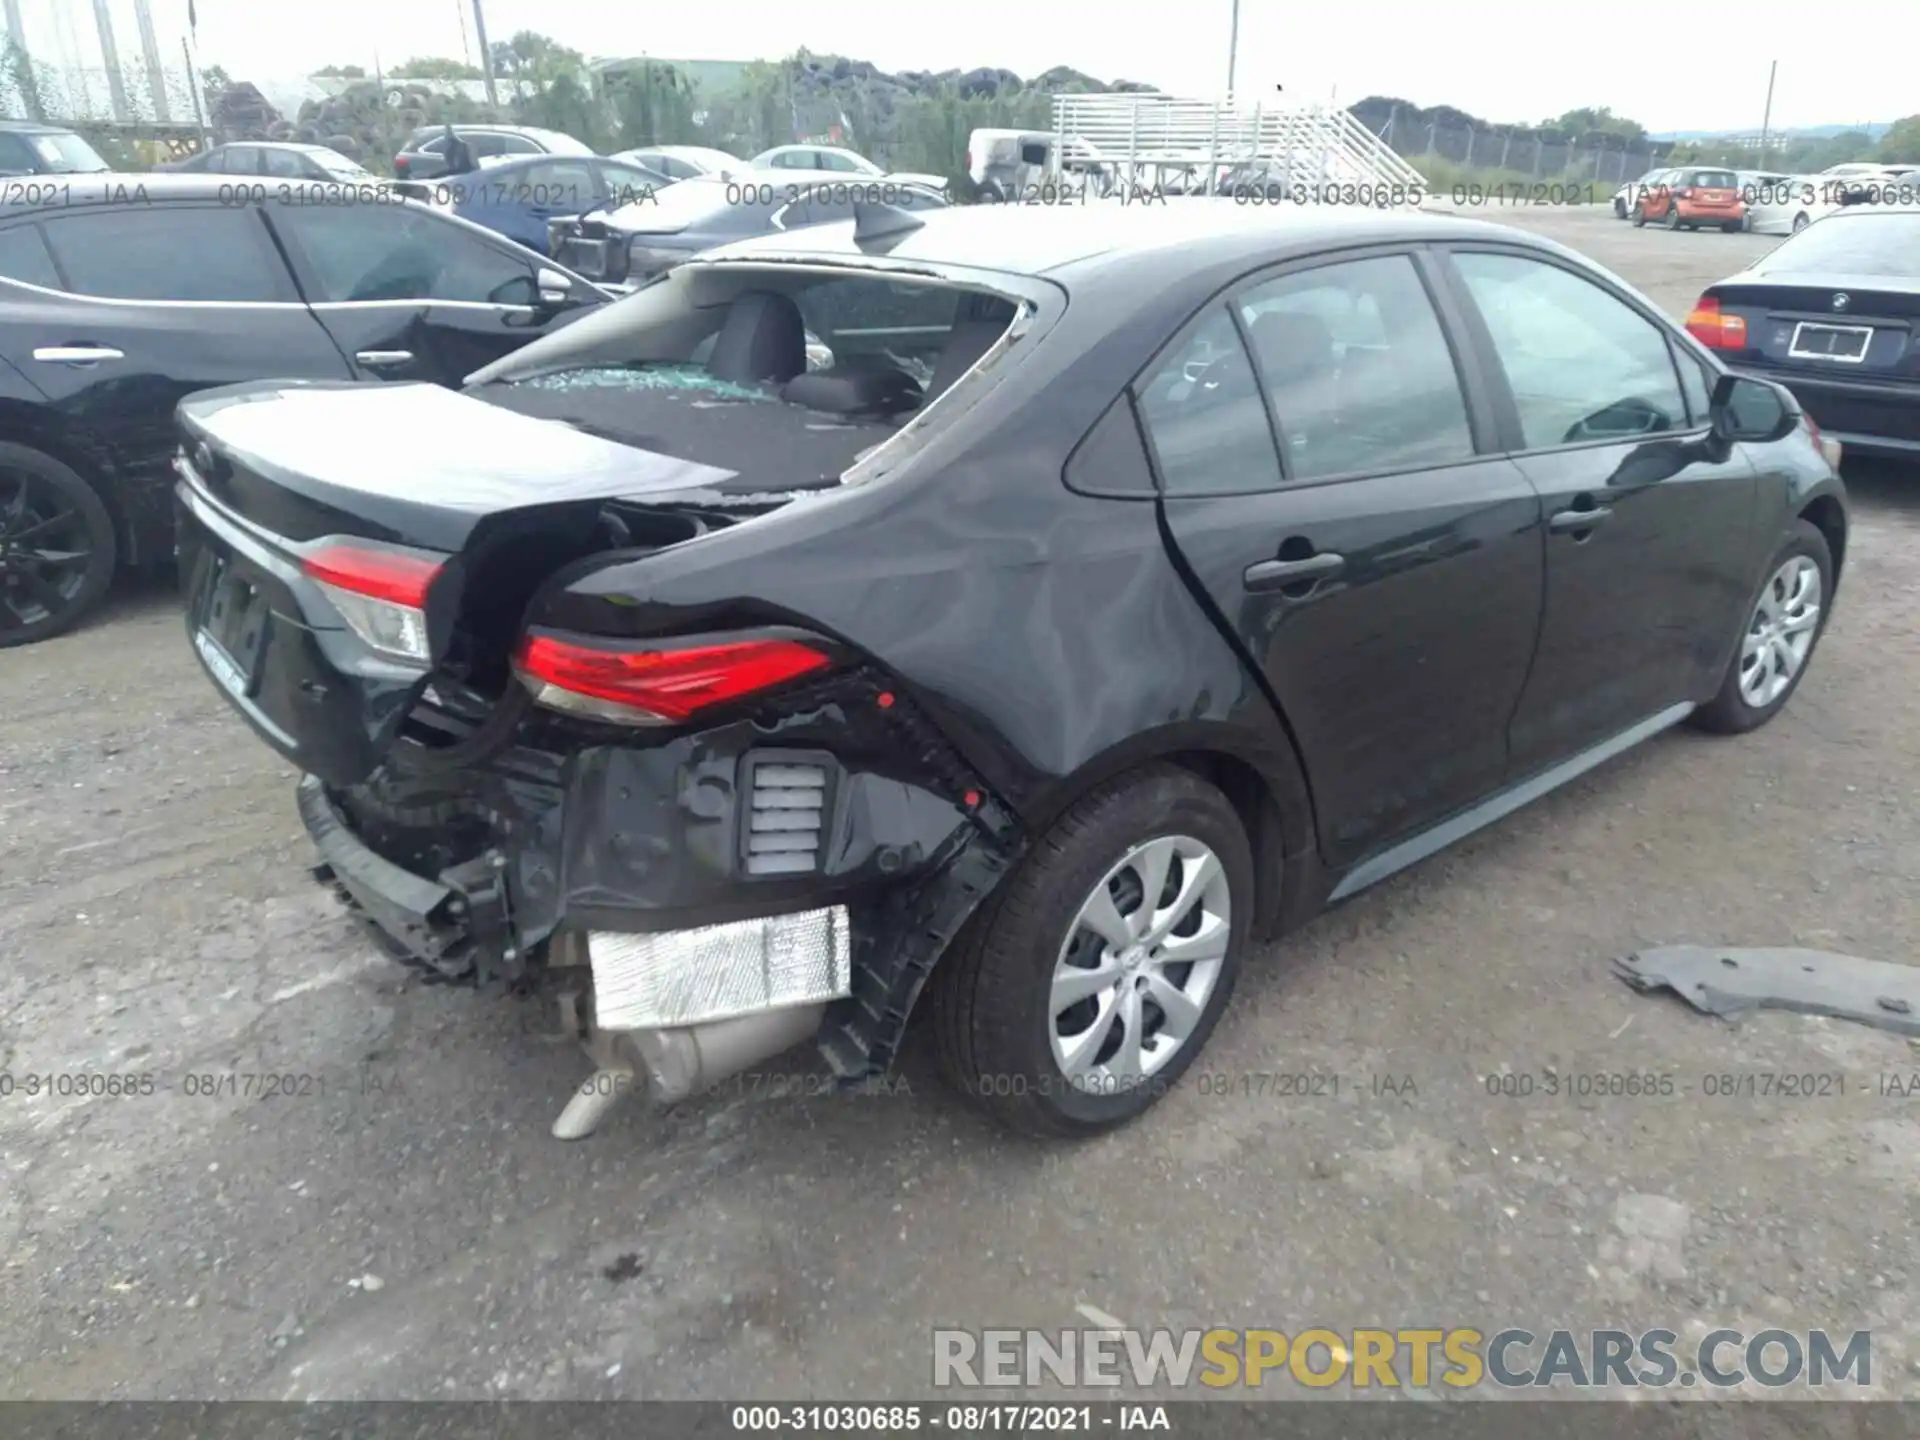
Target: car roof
[1191, 232]
[106, 187]
[35, 127]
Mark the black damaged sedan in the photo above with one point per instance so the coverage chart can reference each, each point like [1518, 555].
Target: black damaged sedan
[1124, 587]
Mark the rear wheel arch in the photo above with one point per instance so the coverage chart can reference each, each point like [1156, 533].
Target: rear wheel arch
[1264, 783]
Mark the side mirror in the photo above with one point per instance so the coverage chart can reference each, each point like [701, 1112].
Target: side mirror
[555, 289]
[1756, 411]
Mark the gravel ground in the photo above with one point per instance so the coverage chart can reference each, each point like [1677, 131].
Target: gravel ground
[402, 1226]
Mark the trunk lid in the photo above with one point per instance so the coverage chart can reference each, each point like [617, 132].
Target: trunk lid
[459, 510]
[1843, 325]
[408, 464]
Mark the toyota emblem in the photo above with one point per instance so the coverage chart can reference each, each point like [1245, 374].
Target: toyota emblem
[1840, 301]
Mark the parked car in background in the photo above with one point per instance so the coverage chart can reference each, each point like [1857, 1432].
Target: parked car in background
[110, 312]
[834, 160]
[1832, 314]
[522, 198]
[683, 162]
[277, 159]
[1276, 553]
[1889, 185]
[1011, 164]
[1785, 204]
[30, 148]
[1687, 198]
[627, 247]
[1627, 196]
[424, 155]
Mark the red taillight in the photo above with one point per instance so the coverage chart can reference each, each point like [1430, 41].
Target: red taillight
[377, 574]
[401, 164]
[1715, 329]
[657, 686]
[381, 594]
[1684, 194]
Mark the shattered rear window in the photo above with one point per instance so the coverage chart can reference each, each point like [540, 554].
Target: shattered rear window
[682, 378]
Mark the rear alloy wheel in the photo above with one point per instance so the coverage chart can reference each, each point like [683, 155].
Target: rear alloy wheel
[56, 547]
[1673, 215]
[1082, 991]
[1784, 624]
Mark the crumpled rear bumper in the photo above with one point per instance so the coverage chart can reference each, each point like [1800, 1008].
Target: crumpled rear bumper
[670, 870]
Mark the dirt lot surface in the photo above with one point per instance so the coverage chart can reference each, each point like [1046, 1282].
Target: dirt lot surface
[401, 1225]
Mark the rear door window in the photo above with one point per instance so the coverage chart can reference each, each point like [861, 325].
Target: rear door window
[23, 256]
[242, 160]
[1205, 418]
[563, 186]
[140, 252]
[1358, 369]
[392, 252]
[287, 164]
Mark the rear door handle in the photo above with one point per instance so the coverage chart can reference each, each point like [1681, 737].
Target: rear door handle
[1578, 519]
[384, 357]
[1279, 574]
[77, 354]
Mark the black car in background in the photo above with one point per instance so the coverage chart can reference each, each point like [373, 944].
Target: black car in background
[1834, 315]
[277, 159]
[138, 289]
[29, 148]
[424, 155]
[630, 245]
[1133, 584]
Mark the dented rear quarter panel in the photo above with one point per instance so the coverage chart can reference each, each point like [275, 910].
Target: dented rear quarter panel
[1045, 632]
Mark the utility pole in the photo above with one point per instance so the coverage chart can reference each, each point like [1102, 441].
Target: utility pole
[1766, 118]
[150, 48]
[486, 55]
[1233, 44]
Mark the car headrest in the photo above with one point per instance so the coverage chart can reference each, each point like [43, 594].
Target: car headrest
[1292, 346]
[871, 391]
[763, 339]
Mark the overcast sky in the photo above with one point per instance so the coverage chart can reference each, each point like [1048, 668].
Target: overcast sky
[1670, 64]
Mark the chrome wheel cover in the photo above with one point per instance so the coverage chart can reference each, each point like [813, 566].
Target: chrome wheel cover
[1138, 965]
[1781, 632]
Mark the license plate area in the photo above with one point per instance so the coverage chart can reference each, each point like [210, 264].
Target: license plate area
[1842, 344]
[232, 631]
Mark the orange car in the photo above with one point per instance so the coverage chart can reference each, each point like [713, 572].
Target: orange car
[1688, 199]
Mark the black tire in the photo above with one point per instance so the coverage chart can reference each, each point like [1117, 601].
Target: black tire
[1728, 713]
[1619, 209]
[1734, 227]
[1800, 222]
[47, 508]
[1639, 216]
[989, 997]
[1673, 215]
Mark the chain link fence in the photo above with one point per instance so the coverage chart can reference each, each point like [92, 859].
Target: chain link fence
[1460, 154]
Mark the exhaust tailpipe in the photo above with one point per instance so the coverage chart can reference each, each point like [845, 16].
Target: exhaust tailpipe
[680, 1062]
[686, 1061]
